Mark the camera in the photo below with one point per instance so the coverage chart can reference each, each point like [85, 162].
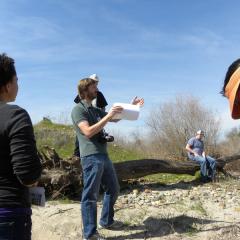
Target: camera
[105, 137]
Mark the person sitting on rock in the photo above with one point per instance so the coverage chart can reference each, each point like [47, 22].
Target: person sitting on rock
[195, 148]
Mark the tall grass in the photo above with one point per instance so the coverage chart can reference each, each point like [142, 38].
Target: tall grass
[59, 136]
[62, 138]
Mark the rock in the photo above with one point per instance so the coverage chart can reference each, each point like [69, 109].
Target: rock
[147, 190]
[160, 196]
[222, 205]
[119, 205]
[205, 194]
[135, 192]
[192, 197]
[124, 201]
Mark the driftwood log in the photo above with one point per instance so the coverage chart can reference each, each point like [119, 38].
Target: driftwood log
[64, 177]
[143, 167]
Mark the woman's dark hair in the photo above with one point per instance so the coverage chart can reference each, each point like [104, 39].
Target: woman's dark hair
[232, 68]
[7, 69]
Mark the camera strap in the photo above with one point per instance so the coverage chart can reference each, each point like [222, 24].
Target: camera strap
[92, 114]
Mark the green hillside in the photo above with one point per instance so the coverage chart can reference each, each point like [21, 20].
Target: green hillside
[59, 136]
[62, 138]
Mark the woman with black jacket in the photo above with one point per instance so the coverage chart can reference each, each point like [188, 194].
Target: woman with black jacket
[20, 166]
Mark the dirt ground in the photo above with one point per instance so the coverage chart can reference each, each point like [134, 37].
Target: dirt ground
[172, 212]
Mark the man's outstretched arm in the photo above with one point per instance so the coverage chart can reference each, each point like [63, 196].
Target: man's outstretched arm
[90, 131]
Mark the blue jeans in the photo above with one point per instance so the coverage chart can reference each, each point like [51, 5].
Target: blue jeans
[98, 169]
[15, 228]
[207, 166]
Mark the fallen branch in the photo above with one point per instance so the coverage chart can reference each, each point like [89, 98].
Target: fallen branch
[67, 173]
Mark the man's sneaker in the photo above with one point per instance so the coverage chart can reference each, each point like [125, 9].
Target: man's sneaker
[116, 225]
[205, 179]
[95, 236]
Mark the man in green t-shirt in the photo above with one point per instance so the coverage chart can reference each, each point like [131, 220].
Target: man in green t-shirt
[97, 168]
[99, 102]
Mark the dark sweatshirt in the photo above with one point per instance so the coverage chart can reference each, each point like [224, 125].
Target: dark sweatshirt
[19, 162]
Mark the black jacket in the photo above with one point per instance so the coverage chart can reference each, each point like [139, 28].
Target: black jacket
[19, 162]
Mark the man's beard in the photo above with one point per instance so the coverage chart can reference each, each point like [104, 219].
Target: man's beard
[91, 96]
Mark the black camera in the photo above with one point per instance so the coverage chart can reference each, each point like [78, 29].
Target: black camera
[104, 137]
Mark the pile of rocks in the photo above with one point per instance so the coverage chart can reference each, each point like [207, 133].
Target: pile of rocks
[227, 195]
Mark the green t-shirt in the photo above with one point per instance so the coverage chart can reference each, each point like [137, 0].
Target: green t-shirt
[85, 112]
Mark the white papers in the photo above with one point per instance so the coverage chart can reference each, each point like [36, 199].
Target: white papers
[37, 196]
[130, 111]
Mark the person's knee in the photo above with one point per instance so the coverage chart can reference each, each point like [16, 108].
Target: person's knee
[201, 160]
[89, 202]
[90, 195]
[211, 160]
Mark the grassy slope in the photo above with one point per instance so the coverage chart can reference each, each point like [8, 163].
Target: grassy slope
[62, 138]
[59, 136]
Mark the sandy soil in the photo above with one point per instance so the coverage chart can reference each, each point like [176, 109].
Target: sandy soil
[179, 211]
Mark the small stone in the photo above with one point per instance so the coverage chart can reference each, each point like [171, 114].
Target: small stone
[119, 205]
[222, 205]
[205, 194]
[135, 192]
[147, 190]
[125, 201]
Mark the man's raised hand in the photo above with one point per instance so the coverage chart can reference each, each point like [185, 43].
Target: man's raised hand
[138, 101]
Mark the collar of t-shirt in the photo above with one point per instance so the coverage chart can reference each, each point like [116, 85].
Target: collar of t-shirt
[199, 139]
[86, 104]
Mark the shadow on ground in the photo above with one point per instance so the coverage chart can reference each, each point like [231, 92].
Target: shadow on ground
[160, 186]
[153, 227]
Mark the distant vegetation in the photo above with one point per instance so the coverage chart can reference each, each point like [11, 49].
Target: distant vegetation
[173, 123]
[170, 125]
[62, 138]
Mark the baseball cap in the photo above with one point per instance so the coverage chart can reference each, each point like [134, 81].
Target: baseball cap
[200, 132]
[94, 77]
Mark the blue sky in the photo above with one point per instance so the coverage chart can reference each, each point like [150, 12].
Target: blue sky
[150, 48]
